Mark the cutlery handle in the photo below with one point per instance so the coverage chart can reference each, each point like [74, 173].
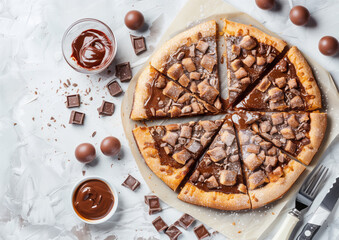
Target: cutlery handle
[288, 225]
[308, 231]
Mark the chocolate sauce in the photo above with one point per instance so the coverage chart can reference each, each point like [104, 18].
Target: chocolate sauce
[91, 49]
[93, 199]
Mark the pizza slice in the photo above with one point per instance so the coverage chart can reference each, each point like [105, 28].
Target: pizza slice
[171, 150]
[156, 96]
[249, 52]
[290, 85]
[190, 58]
[269, 172]
[217, 181]
[299, 134]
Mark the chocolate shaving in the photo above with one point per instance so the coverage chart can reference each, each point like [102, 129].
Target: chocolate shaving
[138, 44]
[123, 71]
[131, 183]
[106, 108]
[159, 224]
[77, 118]
[73, 101]
[114, 88]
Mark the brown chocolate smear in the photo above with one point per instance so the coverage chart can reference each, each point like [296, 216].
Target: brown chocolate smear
[93, 199]
[91, 49]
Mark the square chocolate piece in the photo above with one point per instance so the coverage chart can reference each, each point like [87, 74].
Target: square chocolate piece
[159, 224]
[123, 71]
[152, 211]
[73, 101]
[131, 183]
[173, 232]
[185, 221]
[201, 232]
[77, 118]
[138, 44]
[148, 197]
[106, 108]
[114, 88]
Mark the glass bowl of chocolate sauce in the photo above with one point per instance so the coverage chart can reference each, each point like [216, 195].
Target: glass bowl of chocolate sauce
[89, 46]
[94, 200]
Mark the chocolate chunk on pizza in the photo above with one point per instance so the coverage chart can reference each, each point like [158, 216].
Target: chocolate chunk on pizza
[171, 150]
[217, 181]
[190, 58]
[156, 96]
[269, 172]
[299, 134]
[249, 53]
[290, 85]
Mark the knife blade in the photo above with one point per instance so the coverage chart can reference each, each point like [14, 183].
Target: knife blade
[321, 214]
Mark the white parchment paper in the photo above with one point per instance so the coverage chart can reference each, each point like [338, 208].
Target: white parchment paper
[249, 224]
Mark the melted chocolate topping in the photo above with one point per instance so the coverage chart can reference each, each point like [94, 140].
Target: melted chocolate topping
[93, 199]
[91, 49]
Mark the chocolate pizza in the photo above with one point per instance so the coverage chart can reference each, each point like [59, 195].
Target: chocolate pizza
[250, 156]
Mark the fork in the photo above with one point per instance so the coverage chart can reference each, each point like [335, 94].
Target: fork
[304, 200]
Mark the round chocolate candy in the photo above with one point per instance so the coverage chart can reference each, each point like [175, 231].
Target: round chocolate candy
[265, 4]
[328, 45]
[134, 20]
[299, 15]
[85, 153]
[110, 146]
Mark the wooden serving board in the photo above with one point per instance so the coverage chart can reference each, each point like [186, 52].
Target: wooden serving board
[249, 224]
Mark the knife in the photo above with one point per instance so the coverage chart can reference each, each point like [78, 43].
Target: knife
[321, 214]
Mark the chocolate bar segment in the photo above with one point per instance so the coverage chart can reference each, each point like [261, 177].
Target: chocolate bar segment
[159, 224]
[77, 118]
[173, 232]
[114, 88]
[106, 108]
[123, 71]
[73, 101]
[185, 221]
[138, 44]
[131, 183]
[201, 232]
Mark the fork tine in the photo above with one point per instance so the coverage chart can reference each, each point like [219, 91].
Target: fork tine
[316, 177]
[313, 178]
[319, 183]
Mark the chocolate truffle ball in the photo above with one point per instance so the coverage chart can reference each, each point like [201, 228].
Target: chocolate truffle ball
[134, 20]
[85, 153]
[110, 146]
[328, 45]
[299, 15]
[265, 4]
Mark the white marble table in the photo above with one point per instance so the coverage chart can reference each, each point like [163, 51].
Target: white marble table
[37, 163]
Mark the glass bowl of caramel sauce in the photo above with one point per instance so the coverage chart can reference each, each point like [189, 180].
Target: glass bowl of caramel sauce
[89, 46]
[94, 200]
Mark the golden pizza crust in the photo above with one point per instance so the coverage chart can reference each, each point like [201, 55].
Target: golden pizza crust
[305, 75]
[272, 191]
[170, 175]
[316, 135]
[141, 93]
[239, 29]
[218, 200]
[192, 35]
